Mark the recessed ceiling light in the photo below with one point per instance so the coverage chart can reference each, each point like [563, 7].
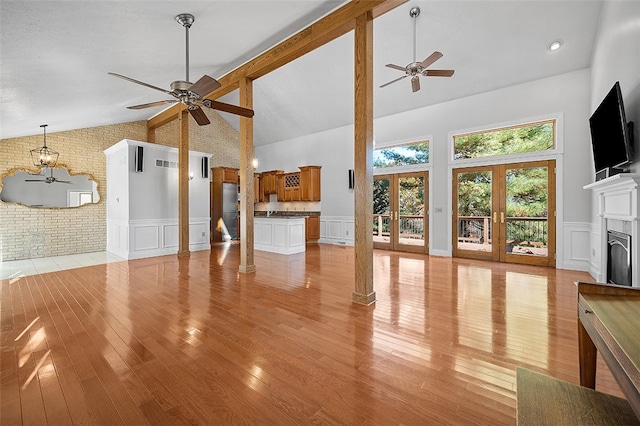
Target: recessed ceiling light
[555, 45]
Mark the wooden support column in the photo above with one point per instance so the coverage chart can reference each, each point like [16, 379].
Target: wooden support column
[151, 134]
[363, 160]
[183, 183]
[246, 179]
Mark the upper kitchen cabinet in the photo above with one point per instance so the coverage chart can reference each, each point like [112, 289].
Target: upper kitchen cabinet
[269, 182]
[289, 187]
[310, 183]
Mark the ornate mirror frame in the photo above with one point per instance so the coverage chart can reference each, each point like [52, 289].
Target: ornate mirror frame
[25, 198]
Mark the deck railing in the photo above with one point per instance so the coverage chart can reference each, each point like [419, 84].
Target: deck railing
[478, 229]
[471, 229]
[411, 226]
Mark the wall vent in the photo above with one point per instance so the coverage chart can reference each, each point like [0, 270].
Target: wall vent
[166, 164]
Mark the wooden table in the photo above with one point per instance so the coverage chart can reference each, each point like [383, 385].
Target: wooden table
[609, 322]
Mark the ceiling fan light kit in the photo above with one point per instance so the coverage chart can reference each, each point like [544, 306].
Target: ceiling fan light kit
[192, 95]
[45, 156]
[415, 69]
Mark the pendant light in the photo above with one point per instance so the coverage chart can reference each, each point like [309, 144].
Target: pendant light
[45, 156]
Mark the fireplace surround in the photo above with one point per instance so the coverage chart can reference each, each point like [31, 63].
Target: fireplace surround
[618, 208]
[618, 258]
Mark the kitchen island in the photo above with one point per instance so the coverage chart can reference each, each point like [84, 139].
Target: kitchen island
[280, 234]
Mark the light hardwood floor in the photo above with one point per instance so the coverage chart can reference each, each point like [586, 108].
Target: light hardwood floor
[173, 340]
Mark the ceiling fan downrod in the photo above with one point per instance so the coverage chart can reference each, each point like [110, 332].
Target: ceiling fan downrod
[186, 20]
[414, 13]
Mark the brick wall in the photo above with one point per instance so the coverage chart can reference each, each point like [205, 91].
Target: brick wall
[31, 232]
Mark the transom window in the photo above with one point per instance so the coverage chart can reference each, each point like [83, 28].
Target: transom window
[530, 137]
[402, 155]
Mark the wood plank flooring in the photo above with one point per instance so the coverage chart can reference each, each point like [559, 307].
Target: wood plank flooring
[173, 340]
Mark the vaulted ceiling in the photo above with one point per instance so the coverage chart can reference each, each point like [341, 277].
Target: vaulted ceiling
[54, 57]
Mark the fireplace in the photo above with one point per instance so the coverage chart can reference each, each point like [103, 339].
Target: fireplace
[618, 258]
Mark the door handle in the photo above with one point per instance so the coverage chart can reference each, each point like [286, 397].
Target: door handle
[495, 217]
[501, 217]
[396, 214]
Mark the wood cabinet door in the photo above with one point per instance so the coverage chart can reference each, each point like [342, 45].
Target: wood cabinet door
[312, 228]
[310, 183]
[229, 175]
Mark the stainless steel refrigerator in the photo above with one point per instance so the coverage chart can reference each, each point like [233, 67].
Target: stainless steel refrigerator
[230, 208]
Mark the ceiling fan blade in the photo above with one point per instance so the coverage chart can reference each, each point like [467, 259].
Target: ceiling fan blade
[62, 181]
[204, 86]
[396, 67]
[438, 73]
[415, 84]
[140, 82]
[199, 115]
[431, 59]
[232, 109]
[34, 180]
[393, 81]
[152, 104]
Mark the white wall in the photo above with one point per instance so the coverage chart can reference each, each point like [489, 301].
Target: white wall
[616, 57]
[566, 96]
[332, 149]
[142, 207]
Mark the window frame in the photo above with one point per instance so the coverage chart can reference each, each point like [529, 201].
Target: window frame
[409, 167]
[556, 119]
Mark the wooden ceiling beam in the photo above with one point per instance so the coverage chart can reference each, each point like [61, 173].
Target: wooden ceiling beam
[332, 26]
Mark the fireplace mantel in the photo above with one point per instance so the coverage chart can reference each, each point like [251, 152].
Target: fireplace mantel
[617, 198]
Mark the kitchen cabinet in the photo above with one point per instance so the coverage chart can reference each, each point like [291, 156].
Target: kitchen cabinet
[257, 195]
[312, 229]
[226, 174]
[310, 183]
[289, 187]
[269, 182]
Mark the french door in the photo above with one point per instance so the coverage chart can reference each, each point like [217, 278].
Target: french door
[505, 213]
[400, 212]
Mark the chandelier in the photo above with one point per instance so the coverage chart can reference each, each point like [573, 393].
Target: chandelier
[45, 156]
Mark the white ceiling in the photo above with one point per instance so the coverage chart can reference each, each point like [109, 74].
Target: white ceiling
[55, 55]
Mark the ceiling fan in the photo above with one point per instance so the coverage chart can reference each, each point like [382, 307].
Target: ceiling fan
[415, 68]
[49, 179]
[190, 94]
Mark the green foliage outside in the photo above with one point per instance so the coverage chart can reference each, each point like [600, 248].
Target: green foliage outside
[402, 155]
[526, 198]
[529, 138]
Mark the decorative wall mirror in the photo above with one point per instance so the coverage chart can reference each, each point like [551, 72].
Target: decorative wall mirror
[48, 187]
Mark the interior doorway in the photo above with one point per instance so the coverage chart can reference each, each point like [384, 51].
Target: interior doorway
[505, 213]
[400, 212]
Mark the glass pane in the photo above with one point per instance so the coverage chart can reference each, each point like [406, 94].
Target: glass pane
[474, 211]
[534, 137]
[401, 155]
[381, 209]
[527, 211]
[411, 207]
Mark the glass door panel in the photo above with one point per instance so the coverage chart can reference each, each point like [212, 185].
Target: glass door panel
[529, 197]
[505, 213]
[411, 212]
[400, 205]
[382, 212]
[473, 207]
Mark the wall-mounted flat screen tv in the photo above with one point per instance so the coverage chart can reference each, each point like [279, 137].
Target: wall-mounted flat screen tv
[611, 138]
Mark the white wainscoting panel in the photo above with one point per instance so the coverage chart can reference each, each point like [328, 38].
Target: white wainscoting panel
[147, 238]
[337, 230]
[170, 236]
[576, 254]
